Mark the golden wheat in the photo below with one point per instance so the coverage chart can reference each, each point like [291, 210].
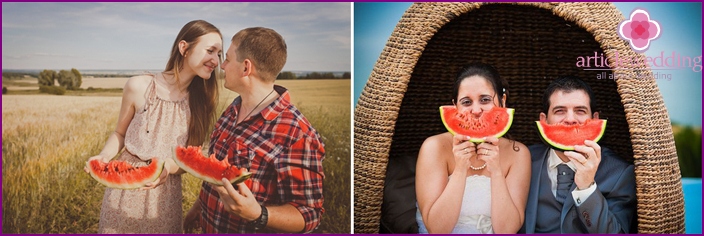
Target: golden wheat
[47, 139]
[45, 143]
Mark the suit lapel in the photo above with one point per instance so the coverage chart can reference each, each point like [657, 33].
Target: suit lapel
[538, 167]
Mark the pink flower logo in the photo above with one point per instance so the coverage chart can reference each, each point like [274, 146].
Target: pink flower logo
[639, 30]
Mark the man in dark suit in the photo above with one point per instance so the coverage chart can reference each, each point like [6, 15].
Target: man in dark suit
[588, 190]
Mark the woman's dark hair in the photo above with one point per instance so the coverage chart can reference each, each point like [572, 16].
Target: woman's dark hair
[489, 73]
[203, 93]
[486, 71]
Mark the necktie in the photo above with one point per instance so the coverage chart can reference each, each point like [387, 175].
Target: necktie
[565, 178]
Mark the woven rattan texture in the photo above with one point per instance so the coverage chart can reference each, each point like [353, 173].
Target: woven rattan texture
[530, 45]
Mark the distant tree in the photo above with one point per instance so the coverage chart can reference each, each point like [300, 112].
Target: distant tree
[79, 79]
[52, 90]
[286, 75]
[12, 75]
[66, 79]
[47, 77]
[689, 151]
[313, 75]
[328, 75]
[4, 90]
[324, 75]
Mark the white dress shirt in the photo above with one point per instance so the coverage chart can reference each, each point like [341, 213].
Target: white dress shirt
[577, 195]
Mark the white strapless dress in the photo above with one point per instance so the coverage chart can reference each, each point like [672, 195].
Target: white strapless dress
[475, 212]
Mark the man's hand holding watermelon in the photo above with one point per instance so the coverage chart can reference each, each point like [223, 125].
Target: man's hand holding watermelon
[586, 159]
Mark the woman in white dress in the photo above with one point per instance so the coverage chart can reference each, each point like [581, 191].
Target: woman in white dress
[460, 185]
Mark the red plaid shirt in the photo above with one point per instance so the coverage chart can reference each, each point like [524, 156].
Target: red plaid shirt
[285, 155]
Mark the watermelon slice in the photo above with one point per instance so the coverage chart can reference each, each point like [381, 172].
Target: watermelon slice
[564, 137]
[209, 169]
[123, 175]
[492, 123]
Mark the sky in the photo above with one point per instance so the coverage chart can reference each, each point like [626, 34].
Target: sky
[681, 25]
[134, 36]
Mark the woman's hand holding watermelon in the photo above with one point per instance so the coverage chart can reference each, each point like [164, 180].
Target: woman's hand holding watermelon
[159, 181]
[463, 151]
[170, 168]
[488, 151]
[99, 157]
[173, 168]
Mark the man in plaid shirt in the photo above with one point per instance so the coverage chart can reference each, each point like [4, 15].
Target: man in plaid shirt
[262, 131]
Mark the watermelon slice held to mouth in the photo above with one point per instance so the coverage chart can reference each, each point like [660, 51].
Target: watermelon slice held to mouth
[492, 123]
[564, 137]
[209, 169]
[123, 175]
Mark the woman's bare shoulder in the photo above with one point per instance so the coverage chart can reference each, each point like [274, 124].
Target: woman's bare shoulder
[433, 154]
[513, 148]
[435, 146]
[139, 80]
[439, 140]
[139, 83]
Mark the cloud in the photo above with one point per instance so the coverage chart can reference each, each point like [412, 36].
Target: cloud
[343, 40]
[5, 57]
[44, 54]
[27, 25]
[87, 33]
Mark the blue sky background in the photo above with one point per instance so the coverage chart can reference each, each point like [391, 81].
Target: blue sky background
[114, 36]
[681, 32]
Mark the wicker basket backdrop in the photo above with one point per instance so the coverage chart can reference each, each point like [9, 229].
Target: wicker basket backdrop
[530, 44]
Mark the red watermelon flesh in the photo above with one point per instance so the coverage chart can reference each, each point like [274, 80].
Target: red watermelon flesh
[565, 137]
[492, 123]
[123, 175]
[209, 169]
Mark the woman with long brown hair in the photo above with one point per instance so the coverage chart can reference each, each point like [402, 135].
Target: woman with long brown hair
[158, 112]
[468, 188]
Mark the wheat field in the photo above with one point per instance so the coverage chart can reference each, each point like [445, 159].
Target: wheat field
[46, 140]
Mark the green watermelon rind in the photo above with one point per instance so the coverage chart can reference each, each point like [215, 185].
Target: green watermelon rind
[510, 112]
[239, 179]
[562, 147]
[135, 185]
